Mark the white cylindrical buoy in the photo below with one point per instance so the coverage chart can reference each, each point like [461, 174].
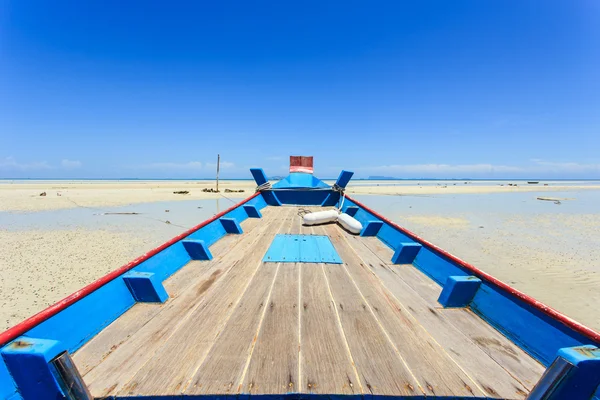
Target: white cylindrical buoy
[350, 223]
[320, 217]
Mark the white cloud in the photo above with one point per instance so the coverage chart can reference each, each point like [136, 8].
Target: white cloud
[70, 164]
[536, 166]
[567, 166]
[10, 163]
[446, 168]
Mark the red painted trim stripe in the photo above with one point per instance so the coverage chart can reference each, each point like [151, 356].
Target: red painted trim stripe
[19, 329]
[549, 311]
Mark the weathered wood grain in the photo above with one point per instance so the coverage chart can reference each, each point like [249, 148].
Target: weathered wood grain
[325, 362]
[512, 358]
[121, 365]
[436, 373]
[175, 363]
[381, 371]
[225, 363]
[273, 366]
[117, 333]
[487, 374]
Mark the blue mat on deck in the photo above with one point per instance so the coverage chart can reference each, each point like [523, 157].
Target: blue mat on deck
[302, 248]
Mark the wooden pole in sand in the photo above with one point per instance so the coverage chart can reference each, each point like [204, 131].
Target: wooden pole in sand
[218, 162]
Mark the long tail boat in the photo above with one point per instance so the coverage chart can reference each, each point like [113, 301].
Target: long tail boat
[255, 303]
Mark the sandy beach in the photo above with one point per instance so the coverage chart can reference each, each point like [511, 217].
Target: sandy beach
[52, 245]
[25, 195]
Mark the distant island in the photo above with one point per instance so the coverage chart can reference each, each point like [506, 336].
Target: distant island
[379, 178]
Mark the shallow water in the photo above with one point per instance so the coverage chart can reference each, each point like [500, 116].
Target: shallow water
[151, 217]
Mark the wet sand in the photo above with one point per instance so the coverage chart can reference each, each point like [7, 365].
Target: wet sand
[51, 246]
[25, 195]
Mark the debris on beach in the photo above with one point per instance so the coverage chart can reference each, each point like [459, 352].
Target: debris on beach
[234, 190]
[210, 190]
[181, 192]
[119, 213]
[556, 200]
[43, 194]
[166, 210]
[168, 222]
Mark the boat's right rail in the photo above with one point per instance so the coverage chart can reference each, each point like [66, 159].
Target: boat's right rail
[568, 349]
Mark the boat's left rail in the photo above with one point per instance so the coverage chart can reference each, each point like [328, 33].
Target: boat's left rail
[35, 362]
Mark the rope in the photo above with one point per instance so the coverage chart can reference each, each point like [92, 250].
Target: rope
[264, 186]
[342, 193]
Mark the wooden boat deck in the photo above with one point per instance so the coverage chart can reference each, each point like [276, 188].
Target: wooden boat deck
[236, 324]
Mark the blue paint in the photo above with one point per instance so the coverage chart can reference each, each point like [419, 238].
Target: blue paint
[459, 291]
[351, 210]
[271, 198]
[301, 197]
[258, 202]
[371, 228]
[302, 248]
[583, 380]
[197, 249]
[8, 387]
[438, 267]
[145, 287]
[27, 360]
[79, 322]
[297, 180]
[538, 334]
[167, 262]
[209, 234]
[252, 211]
[405, 253]
[259, 176]
[231, 225]
[331, 199]
[344, 178]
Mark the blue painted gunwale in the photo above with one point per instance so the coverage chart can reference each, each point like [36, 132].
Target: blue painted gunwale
[533, 326]
[91, 312]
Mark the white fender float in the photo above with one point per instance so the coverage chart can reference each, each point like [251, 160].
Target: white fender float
[320, 217]
[350, 223]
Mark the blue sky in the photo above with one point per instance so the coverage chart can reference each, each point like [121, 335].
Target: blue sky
[407, 89]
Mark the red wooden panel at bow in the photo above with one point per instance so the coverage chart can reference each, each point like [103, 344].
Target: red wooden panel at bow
[301, 164]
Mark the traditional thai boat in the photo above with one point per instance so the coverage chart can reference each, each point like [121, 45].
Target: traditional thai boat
[273, 299]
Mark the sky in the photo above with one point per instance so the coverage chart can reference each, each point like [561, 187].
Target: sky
[408, 89]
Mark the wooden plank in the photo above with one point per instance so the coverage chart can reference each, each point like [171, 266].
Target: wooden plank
[487, 374]
[424, 286]
[325, 363]
[273, 366]
[380, 369]
[225, 363]
[117, 333]
[170, 370]
[120, 366]
[436, 373]
[511, 357]
[182, 278]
